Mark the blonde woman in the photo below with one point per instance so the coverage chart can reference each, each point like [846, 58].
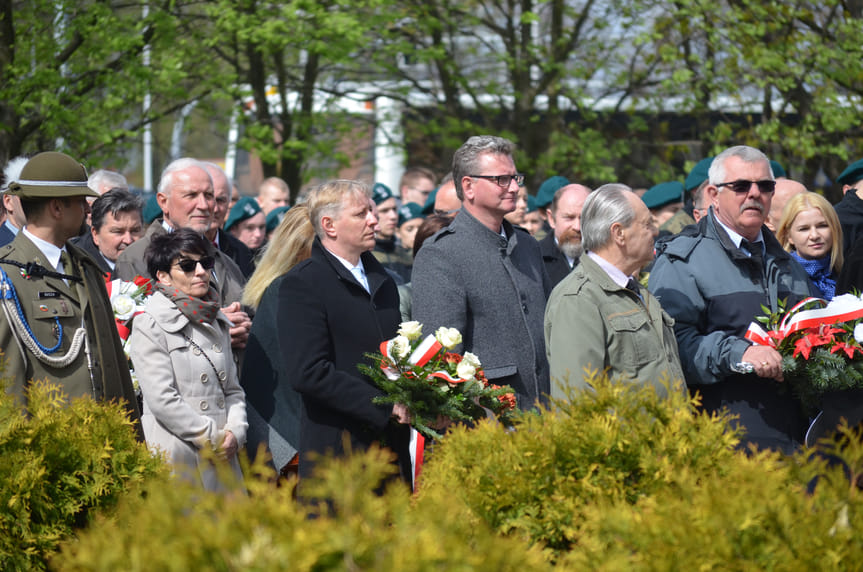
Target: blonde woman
[810, 231]
[273, 406]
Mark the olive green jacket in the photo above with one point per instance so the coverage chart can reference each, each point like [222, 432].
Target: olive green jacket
[42, 299]
[593, 324]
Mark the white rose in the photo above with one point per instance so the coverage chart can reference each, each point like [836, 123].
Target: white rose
[123, 306]
[465, 370]
[411, 330]
[401, 347]
[858, 333]
[448, 337]
[471, 359]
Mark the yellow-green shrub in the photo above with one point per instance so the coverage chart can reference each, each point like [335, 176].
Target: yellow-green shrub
[181, 528]
[58, 466]
[619, 443]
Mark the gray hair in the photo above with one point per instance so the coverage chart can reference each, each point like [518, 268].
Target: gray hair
[328, 200]
[465, 161]
[115, 201]
[111, 179]
[605, 206]
[12, 171]
[166, 181]
[716, 173]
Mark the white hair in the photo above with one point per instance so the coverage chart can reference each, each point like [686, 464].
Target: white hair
[166, 181]
[104, 177]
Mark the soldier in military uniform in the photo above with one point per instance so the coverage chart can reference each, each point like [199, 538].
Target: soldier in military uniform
[57, 322]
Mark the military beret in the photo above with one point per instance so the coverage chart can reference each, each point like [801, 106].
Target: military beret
[410, 211]
[52, 175]
[428, 208]
[531, 203]
[777, 169]
[546, 191]
[698, 174]
[274, 218]
[663, 194]
[151, 210]
[245, 208]
[380, 193]
[851, 174]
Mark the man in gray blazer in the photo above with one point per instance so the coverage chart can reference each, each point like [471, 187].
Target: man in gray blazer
[485, 277]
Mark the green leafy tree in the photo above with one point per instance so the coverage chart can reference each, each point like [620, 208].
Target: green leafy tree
[73, 75]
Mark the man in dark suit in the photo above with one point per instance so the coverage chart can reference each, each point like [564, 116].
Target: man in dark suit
[115, 224]
[232, 247]
[62, 327]
[333, 308]
[562, 247]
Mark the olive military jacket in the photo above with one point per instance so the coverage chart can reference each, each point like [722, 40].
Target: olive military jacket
[52, 308]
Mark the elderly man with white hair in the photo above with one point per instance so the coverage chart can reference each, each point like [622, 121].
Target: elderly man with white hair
[599, 318]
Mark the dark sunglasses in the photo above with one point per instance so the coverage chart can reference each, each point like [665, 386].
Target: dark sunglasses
[189, 264]
[501, 180]
[742, 186]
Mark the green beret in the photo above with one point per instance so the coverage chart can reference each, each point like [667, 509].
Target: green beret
[428, 208]
[151, 210]
[698, 174]
[380, 193]
[663, 194]
[245, 208]
[531, 203]
[275, 217]
[777, 169]
[410, 211]
[851, 174]
[51, 175]
[546, 191]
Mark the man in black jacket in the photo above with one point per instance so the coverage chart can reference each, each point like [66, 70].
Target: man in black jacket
[334, 308]
[115, 224]
[562, 247]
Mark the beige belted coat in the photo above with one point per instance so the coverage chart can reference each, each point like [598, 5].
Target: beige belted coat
[192, 395]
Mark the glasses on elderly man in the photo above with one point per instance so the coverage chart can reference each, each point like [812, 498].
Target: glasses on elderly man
[501, 180]
[189, 264]
[742, 185]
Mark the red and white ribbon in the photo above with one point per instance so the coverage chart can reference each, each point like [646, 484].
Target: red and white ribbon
[843, 308]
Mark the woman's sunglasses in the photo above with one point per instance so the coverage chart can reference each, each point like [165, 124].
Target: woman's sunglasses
[189, 264]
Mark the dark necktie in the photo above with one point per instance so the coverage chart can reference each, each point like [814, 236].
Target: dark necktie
[632, 286]
[755, 250]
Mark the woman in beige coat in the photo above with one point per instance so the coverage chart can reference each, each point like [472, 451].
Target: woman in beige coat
[181, 350]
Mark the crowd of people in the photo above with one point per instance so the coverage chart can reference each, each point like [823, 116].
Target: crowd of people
[261, 310]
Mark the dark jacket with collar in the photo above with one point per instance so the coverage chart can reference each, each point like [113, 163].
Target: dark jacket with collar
[493, 290]
[241, 254]
[44, 299]
[6, 235]
[85, 243]
[713, 291]
[850, 213]
[327, 323]
[555, 261]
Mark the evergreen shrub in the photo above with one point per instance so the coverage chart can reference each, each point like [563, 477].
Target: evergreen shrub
[61, 464]
[182, 528]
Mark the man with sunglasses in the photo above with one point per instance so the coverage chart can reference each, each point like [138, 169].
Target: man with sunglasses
[713, 278]
[485, 277]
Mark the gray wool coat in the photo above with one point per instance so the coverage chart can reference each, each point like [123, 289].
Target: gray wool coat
[493, 290]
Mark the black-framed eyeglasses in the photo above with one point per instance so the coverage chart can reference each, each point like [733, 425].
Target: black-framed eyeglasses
[189, 264]
[742, 185]
[501, 180]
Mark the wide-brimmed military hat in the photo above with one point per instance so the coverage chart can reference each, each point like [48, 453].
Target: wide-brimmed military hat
[52, 175]
[243, 209]
[663, 194]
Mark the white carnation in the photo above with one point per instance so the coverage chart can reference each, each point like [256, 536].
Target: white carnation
[448, 337]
